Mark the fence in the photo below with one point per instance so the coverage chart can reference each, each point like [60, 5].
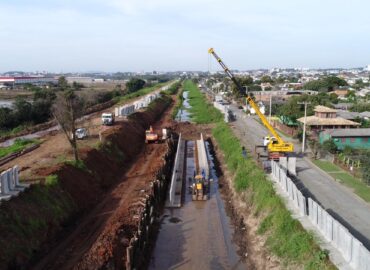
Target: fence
[352, 250]
[145, 210]
[9, 184]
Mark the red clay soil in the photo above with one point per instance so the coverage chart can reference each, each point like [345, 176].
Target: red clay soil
[94, 243]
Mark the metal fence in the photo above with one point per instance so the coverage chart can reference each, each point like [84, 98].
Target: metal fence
[352, 250]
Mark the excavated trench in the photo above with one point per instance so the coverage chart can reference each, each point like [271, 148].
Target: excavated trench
[201, 234]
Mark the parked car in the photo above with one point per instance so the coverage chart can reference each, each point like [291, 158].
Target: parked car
[81, 133]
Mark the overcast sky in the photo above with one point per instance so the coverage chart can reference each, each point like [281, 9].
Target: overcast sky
[168, 35]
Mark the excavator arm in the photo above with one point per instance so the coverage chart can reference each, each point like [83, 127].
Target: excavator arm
[280, 145]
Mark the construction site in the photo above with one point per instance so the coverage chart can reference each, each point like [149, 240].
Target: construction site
[159, 187]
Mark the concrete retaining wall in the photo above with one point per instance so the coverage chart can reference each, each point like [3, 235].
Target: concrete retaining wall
[177, 175]
[145, 211]
[352, 250]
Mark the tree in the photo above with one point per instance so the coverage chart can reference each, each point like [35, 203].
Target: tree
[66, 109]
[23, 110]
[325, 84]
[134, 85]
[245, 81]
[329, 146]
[62, 83]
[266, 79]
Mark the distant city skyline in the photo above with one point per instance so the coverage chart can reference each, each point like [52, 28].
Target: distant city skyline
[163, 35]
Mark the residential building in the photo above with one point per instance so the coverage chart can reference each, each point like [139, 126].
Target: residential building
[326, 118]
[358, 138]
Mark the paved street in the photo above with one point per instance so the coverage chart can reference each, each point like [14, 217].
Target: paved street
[338, 200]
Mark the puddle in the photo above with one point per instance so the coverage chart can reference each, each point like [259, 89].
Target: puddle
[174, 220]
[183, 115]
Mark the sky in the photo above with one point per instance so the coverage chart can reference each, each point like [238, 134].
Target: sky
[171, 35]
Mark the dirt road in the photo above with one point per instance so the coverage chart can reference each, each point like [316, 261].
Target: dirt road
[56, 148]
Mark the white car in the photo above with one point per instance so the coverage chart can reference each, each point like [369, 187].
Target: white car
[81, 133]
[267, 140]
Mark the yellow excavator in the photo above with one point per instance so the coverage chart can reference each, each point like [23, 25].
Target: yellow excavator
[277, 147]
[200, 188]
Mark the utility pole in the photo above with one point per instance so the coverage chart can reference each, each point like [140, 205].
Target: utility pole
[304, 123]
[270, 109]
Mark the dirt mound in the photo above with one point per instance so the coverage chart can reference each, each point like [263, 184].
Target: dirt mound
[33, 222]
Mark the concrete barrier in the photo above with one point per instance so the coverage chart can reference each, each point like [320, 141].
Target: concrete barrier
[202, 157]
[177, 173]
[352, 250]
[9, 184]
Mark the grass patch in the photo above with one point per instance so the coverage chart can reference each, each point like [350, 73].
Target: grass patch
[201, 111]
[18, 145]
[14, 131]
[51, 180]
[285, 236]
[79, 164]
[360, 188]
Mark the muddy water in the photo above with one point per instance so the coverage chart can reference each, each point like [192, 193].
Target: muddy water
[199, 235]
[183, 115]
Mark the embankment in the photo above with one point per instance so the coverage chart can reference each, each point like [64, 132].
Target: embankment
[31, 224]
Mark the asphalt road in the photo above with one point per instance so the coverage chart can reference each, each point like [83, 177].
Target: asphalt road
[338, 200]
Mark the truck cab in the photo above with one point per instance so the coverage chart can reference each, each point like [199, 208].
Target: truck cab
[107, 119]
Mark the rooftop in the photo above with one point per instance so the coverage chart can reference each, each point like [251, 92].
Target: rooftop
[320, 108]
[349, 132]
[317, 121]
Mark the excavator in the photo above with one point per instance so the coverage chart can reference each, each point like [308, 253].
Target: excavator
[276, 148]
[200, 188]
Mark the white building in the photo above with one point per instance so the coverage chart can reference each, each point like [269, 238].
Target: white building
[12, 81]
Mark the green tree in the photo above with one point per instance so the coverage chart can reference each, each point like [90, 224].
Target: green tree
[245, 81]
[329, 146]
[134, 85]
[266, 79]
[325, 84]
[62, 83]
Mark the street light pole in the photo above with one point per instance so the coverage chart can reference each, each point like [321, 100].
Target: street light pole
[304, 123]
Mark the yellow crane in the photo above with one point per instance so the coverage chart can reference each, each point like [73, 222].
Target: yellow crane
[275, 148]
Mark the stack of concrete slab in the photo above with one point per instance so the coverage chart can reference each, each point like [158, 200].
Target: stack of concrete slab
[124, 110]
[9, 184]
[144, 102]
[352, 250]
[202, 157]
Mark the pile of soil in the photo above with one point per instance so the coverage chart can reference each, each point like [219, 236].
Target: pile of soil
[32, 223]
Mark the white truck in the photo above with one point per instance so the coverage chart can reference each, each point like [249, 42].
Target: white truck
[107, 119]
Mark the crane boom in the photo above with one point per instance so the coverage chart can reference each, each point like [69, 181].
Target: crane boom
[280, 145]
